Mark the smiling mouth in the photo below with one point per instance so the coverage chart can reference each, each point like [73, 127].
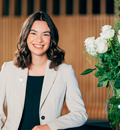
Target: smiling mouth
[38, 46]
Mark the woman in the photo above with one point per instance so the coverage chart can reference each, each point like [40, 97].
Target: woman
[35, 85]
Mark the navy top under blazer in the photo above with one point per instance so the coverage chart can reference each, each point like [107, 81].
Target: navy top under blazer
[30, 116]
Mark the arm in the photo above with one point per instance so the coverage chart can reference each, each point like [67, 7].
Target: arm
[75, 104]
[2, 97]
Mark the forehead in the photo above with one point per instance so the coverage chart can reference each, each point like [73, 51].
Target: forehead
[40, 26]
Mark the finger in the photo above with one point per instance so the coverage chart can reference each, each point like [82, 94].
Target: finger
[34, 128]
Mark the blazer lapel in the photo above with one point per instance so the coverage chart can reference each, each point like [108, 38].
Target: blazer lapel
[23, 74]
[49, 79]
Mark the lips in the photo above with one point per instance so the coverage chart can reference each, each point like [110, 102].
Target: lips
[38, 46]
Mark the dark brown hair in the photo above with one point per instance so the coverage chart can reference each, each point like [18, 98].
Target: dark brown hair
[54, 53]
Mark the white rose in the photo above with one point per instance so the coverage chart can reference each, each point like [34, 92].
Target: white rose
[118, 38]
[106, 27]
[90, 46]
[119, 32]
[107, 32]
[89, 40]
[102, 45]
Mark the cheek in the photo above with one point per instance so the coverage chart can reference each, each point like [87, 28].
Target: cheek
[29, 39]
[47, 41]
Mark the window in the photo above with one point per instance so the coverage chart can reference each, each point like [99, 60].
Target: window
[69, 7]
[43, 5]
[5, 5]
[82, 6]
[56, 7]
[109, 6]
[96, 6]
[30, 8]
[18, 7]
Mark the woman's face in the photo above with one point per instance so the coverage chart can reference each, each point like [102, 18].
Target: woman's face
[38, 40]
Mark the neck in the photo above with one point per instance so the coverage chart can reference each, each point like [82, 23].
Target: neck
[38, 61]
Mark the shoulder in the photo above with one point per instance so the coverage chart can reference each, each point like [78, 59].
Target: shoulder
[65, 67]
[8, 66]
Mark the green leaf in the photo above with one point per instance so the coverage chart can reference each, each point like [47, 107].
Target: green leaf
[99, 67]
[118, 63]
[117, 84]
[102, 78]
[100, 84]
[105, 83]
[87, 71]
[97, 74]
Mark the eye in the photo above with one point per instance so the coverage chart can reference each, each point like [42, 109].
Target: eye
[33, 33]
[46, 34]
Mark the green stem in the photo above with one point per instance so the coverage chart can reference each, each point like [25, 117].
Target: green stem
[111, 46]
[116, 94]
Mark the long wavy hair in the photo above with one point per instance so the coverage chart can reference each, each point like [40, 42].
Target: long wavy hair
[23, 57]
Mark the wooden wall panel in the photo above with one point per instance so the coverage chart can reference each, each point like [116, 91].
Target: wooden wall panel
[36, 5]
[103, 6]
[12, 9]
[1, 8]
[76, 7]
[50, 7]
[73, 30]
[76, 30]
[89, 6]
[62, 7]
[24, 7]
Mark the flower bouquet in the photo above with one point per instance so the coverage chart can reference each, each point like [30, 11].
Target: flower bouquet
[106, 51]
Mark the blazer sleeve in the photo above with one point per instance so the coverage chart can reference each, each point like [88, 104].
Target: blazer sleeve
[2, 96]
[77, 116]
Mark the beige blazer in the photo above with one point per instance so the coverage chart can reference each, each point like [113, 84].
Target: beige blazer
[58, 86]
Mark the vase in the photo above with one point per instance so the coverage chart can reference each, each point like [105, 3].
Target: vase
[113, 108]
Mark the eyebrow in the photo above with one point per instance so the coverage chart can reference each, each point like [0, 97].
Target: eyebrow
[36, 31]
[46, 32]
[33, 30]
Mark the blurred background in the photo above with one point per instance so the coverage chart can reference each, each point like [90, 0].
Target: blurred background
[76, 20]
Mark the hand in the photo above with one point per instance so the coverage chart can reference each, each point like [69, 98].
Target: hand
[41, 127]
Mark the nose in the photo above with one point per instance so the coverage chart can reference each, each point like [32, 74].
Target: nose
[39, 38]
